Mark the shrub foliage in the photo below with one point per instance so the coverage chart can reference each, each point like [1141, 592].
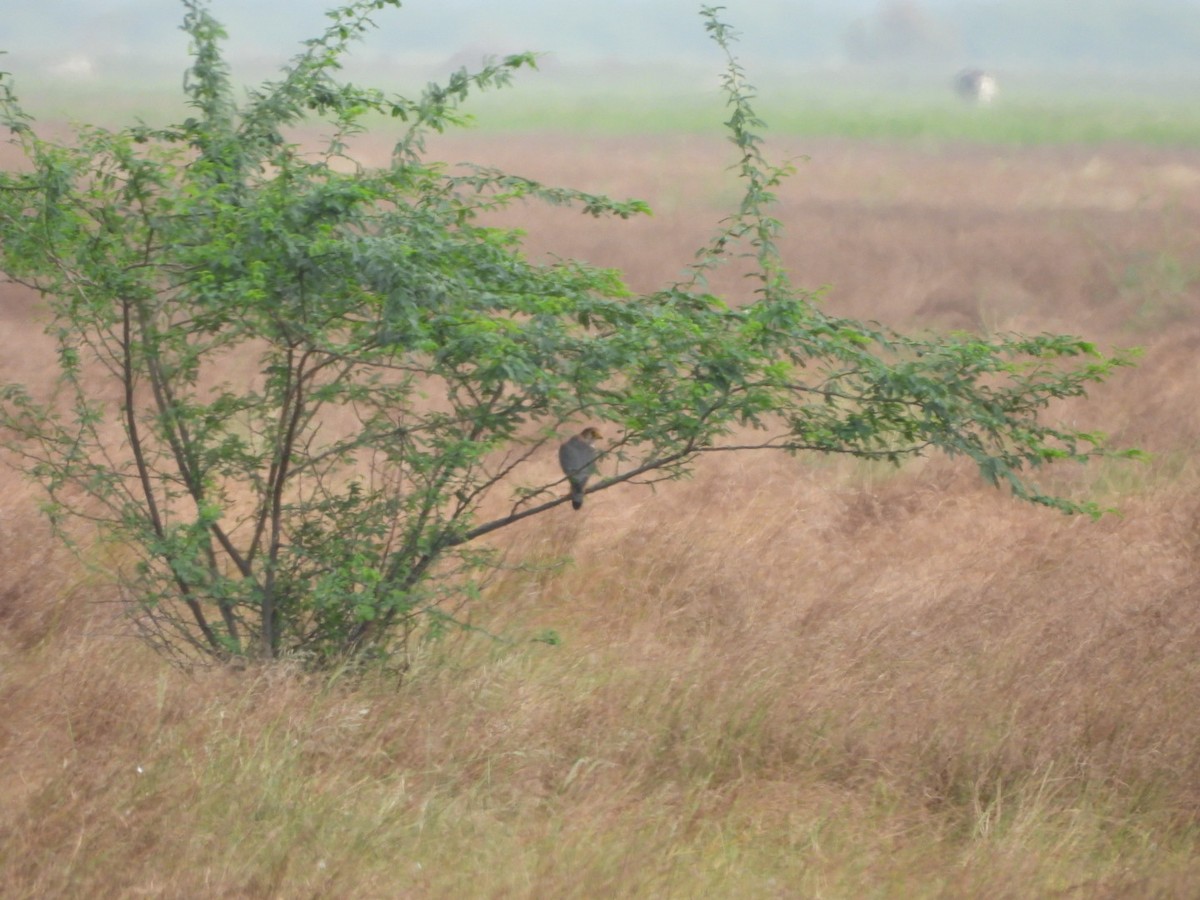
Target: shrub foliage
[296, 391]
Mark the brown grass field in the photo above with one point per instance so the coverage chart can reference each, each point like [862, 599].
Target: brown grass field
[782, 678]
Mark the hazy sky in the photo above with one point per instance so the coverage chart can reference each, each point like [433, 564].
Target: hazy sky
[96, 38]
[422, 29]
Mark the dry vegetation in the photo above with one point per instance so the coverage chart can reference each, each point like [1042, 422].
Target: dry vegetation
[793, 678]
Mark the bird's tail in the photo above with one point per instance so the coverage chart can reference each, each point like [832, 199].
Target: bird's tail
[576, 497]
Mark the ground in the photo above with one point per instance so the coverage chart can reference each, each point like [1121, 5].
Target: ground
[785, 677]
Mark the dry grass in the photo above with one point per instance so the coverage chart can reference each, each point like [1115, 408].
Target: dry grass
[793, 678]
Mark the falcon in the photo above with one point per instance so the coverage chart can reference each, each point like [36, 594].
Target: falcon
[578, 460]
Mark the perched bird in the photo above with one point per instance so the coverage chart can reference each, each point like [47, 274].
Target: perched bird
[578, 460]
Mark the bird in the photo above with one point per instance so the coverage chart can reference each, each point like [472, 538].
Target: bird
[577, 457]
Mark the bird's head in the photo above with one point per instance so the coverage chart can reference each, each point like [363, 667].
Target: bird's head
[590, 434]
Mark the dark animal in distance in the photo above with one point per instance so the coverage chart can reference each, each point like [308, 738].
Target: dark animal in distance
[975, 86]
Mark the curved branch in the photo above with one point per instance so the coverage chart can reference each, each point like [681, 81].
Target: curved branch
[605, 484]
[661, 462]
